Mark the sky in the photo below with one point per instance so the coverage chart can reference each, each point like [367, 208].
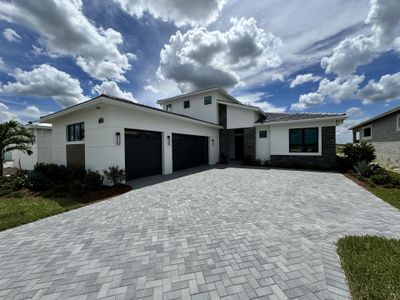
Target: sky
[283, 56]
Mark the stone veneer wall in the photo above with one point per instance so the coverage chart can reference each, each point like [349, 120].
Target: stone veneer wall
[223, 134]
[326, 161]
[249, 137]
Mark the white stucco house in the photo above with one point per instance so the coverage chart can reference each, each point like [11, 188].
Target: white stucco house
[198, 128]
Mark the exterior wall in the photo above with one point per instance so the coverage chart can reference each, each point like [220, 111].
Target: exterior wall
[249, 135]
[388, 152]
[240, 117]
[263, 146]
[384, 129]
[101, 150]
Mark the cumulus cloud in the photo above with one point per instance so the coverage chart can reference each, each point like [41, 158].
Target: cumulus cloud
[354, 112]
[200, 58]
[111, 88]
[11, 36]
[387, 88]
[362, 49]
[65, 31]
[307, 101]
[303, 78]
[151, 88]
[189, 12]
[32, 110]
[6, 114]
[258, 99]
[46, 81]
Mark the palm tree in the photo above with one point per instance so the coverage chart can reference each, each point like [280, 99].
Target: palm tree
[14, 136]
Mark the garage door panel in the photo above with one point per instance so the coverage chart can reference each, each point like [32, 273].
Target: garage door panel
[189, 151]
[142, 153]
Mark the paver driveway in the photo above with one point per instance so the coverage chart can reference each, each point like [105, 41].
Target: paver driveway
[234, 233]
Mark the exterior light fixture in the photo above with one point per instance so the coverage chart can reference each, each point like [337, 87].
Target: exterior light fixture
[118, 135]
[169, 139]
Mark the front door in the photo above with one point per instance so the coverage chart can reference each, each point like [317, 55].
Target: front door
[239, 146]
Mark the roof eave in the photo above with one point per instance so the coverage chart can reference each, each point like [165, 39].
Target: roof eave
[336, 118]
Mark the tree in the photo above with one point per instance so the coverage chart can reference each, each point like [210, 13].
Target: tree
[14, 136]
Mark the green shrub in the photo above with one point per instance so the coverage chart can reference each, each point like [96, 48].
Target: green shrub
[15, 182]
[93, 180]
[363, 168]
[386, 178]
[355, 153]
[76, 187]
[115, 175]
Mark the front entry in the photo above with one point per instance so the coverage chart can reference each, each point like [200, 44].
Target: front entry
[239, 147]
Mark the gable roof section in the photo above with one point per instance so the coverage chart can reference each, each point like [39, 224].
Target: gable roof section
[392, 111]
[288, 117]
[118, 100]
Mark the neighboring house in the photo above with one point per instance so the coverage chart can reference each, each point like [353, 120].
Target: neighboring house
[382, 131]
[193, 129]
[41, 150]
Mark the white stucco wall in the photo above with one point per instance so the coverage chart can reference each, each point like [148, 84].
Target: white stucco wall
[101, 150]
[240, 117]
[263, 145]
[279, 136]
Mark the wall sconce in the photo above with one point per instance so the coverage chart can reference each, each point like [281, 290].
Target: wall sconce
[118, 135]
[212, 142]
[169, 139]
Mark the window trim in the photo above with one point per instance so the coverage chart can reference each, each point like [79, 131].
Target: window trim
[302, 141]
[208, 98]
[186, 102]
[262, 131]
[81, 132]
[366, 137]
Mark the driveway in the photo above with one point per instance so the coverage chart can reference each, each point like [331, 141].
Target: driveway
[230, 233]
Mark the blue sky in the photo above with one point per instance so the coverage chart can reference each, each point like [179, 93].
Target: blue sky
[294, 56]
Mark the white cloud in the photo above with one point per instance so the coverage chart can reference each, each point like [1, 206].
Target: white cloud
[300, 79]
[258, 99]
[384, 18]
[32, 110]
[188, 12]
[151, 88]
[387, 88]
[65, 31]
[340, 89]
[11, 36]
[354, 111]
[307, 101]
[6, 114]
[111, 88]
[46, 82]
[200, 58]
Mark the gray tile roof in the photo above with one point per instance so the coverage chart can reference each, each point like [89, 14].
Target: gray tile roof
[282, 117]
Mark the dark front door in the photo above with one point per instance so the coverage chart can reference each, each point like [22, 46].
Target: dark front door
[189, 151]
[142, 153]
[239, 146]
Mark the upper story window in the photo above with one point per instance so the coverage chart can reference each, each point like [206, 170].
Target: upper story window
[186, 104]
[367, 132]
[207, 100]
[76, 132]
[304, 140]
[262, 134]
[168, 107]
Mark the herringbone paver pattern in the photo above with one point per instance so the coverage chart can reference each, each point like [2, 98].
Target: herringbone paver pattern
[220, 234]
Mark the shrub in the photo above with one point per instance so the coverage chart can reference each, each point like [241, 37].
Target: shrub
[363, 168]
[115, 175]
[15, 182]
[386, 178]
[38, 182]
[93, 180]
[355, 153]
[76, 187]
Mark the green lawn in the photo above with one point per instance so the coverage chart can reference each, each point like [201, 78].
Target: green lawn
[372, 266]
[18, 211]
[391, 196]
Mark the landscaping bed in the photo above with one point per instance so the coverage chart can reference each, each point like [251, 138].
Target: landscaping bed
[372, 266]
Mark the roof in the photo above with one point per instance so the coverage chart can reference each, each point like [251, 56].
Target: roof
[392, 111]
[239, 104]
[119, 100]
[211, 89]
[285, 117]
[38, 125]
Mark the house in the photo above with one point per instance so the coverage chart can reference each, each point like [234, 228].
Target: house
[198, 128]
[382, 131]
[41, 150]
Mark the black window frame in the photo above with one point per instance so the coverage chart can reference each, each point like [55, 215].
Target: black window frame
[168, 107]
[263, 134]
[207, 100]
[303, 146]
[369, 128]
[76, 132]
[186, 104]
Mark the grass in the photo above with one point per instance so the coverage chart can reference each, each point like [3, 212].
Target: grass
[390, 195]
[18, 211]
[372, 266]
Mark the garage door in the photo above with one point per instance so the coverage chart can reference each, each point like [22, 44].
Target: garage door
[142, 153]
[189, 151]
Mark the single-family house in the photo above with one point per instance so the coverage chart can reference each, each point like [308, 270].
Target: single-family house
[198, 128]
[383, 132]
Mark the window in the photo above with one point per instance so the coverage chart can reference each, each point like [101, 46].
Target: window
[303, 140]
[367, 132]
[168, 107]
[76, 132]
[186, 104]
[207, 100]
[262, 134]
[398, 122]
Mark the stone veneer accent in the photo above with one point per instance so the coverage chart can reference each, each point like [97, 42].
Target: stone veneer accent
[326, 161]
[249, 136]
[223, 134]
